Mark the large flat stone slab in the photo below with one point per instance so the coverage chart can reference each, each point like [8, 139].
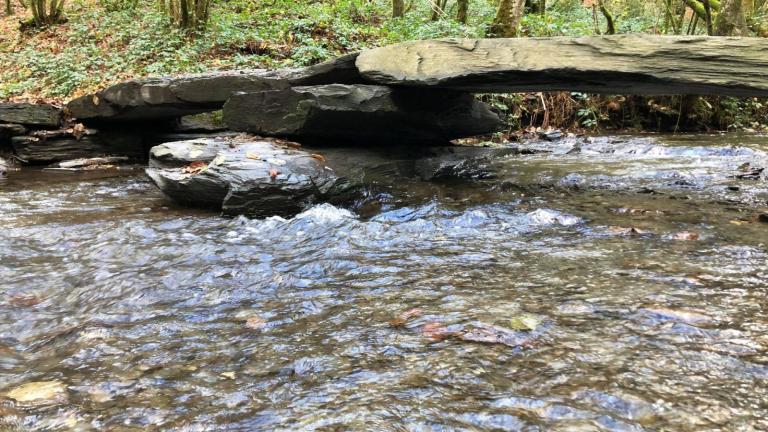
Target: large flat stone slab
[628, 64]
[172, 97]
[360, 114]
[39, 115]
[255, 177]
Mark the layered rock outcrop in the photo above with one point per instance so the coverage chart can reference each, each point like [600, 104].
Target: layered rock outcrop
[620, 64]
[361, 114]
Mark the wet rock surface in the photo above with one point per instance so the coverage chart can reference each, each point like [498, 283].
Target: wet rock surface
[38, 115]
[171, 97]
[361, 114]
[254, 177]
[620, 64]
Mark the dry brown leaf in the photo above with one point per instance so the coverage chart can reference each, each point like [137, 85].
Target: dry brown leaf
[253, 156]
[436, 331]
[273, 173]
[195, 167]
[256, 323]
[318, 157]
[686, 235]
[78, 130]
[403, 318]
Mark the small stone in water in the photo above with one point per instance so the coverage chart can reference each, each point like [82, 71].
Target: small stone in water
[39, 393]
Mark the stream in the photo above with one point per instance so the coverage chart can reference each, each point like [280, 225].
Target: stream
[604, 284]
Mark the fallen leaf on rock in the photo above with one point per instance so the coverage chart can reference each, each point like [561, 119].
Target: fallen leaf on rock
[318, 157]
[403, 318]
[685, 236]
[39, 393]
[273, 173]
[25, 300]
[218, 160]
[195, 168]
[78, 130]
[251, 155]
[278, 162]
[256, 323]
[631, 231]
[525, 322]
[227, 375]
[436, 331]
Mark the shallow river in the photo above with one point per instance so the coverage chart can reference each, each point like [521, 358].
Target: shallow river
[614, 284]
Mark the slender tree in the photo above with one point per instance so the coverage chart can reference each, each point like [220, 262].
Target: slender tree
[463, 9]
[508, 17]
[398, 8]
[609, 22]
[438, 8]
[731, 20]
[8, 8]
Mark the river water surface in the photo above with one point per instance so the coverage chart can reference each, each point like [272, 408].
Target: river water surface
[614, 284]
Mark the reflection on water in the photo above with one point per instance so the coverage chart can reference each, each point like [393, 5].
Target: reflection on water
[160, 318]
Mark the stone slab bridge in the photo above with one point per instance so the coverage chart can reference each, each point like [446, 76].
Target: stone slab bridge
[418, 91]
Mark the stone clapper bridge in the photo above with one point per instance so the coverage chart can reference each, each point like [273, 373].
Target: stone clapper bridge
[418, 92]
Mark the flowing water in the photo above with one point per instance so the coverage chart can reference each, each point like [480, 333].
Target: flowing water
[637, 266]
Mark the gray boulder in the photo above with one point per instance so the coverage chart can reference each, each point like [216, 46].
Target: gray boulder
[360, 114]
[253, 177]
[40, 115]
[171, 97]
[620, 64]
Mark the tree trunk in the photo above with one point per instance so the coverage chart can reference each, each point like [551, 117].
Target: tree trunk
[438, 8]
[708, 18]
[731, 20]
[609, 24]
[508, 17]
[536, 6]
[463, 9]
[8, 8]
[398, 8]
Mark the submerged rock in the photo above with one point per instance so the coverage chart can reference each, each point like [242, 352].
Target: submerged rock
[39, 393]
[170, 97]
[361, 114]
[40, 115]
[255, 177]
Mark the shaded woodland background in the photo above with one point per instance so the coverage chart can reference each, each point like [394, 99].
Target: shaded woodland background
[55, 50]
